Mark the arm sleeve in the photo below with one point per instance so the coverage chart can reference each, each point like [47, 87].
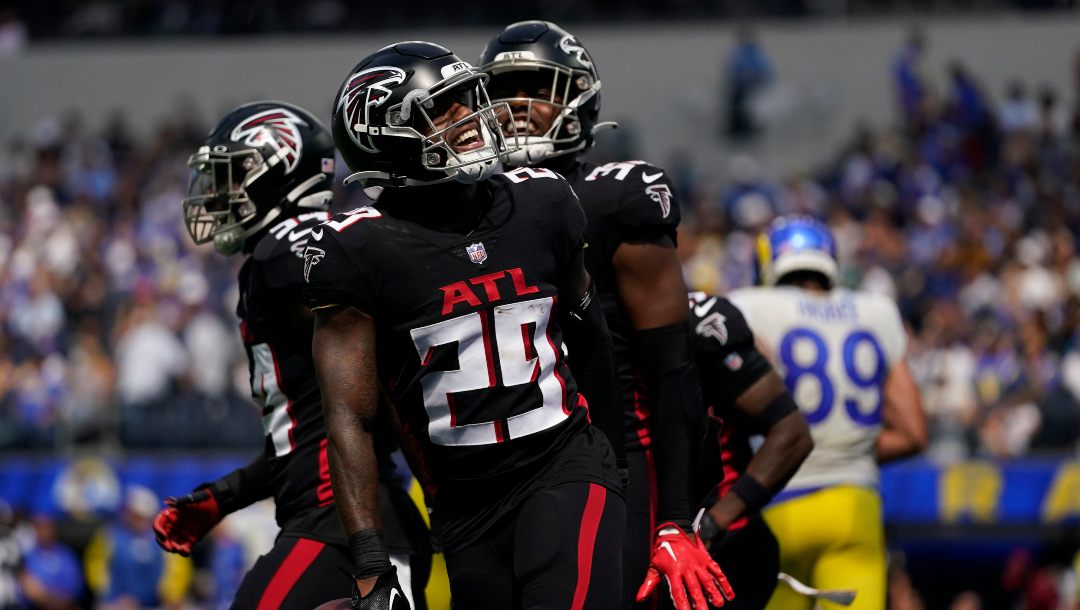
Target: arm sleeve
[242, 487]
[664, 355]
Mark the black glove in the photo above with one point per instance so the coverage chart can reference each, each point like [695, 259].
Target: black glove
[386, 595]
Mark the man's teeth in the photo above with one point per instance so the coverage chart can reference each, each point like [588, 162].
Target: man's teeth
[472, 133]
[521, 125]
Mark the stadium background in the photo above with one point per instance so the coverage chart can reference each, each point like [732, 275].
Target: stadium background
[940, 140]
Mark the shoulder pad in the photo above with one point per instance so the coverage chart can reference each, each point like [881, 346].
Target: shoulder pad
[288, 237]
[647, 202]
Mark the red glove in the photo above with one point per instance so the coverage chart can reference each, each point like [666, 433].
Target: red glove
[685, 564]
[186, 520]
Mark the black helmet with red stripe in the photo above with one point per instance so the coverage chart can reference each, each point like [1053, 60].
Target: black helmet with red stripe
[259, 162]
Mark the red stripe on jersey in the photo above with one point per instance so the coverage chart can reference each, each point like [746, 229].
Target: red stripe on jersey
[500, 436]
[453, 410]
[590, 523]
[726, 438]
[530, 351]
[296, 563]
[641, 414]
[485, 330]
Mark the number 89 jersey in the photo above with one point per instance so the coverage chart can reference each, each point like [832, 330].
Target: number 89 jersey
[834, 350]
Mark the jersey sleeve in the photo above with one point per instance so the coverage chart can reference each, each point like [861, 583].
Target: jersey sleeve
[725, 351]
[648, 206]
[556, 204]
[331, 273]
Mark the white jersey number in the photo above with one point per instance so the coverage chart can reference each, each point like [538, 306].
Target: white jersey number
[866, 383]
[526, 355]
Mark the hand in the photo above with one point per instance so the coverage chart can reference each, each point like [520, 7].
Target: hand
[186, 520]
[383, 593]
[684, 562]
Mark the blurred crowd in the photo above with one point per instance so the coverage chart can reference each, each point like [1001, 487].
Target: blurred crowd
[116, 331]
[23, 20]
[967, 213]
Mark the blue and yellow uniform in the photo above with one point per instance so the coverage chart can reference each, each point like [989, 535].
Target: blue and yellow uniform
[835, 348]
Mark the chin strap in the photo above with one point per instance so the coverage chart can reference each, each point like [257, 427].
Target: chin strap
[385, 179]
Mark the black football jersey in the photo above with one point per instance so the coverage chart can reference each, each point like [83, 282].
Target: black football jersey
[623, 201]
[729, 364]
[278, 345]
[468, 344]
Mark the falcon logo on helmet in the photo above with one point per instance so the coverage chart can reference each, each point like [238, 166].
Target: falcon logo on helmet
[369, 88]
[276, 127]
[570, 46]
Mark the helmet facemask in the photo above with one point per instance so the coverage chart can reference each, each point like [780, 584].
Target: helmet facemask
[217, 205]
[457, 126]
[562, 90]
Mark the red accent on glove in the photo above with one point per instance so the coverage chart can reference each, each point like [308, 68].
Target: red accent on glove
[186, 520]
[685, 563]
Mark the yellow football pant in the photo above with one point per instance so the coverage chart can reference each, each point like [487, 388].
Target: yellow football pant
[831, 539]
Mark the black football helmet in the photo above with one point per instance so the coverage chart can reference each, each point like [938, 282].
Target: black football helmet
[259, 161]
[413, 113]
[550, 65]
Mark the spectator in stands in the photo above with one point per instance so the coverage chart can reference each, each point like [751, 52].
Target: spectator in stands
[124, 566]
[908, 80]
[51, 576]
[748, 70]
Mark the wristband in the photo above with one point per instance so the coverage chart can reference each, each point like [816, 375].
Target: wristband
[368, 553]
[752, 493]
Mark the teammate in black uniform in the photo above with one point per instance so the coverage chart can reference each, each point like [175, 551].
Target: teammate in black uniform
[745, 396]
[261, 183]
[454, 293]
[552, 86]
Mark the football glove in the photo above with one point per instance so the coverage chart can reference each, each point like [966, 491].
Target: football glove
[385, 595]
[186, 520]
[685, 564]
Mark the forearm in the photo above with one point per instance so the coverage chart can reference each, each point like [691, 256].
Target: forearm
[243, 487]
[895, 444]
[785, 447]
[678, 415]
[344, 352]
[353, 472]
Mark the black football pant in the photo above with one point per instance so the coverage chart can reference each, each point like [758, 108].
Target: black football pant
[750, 558]
[561, 550]
[297, 574]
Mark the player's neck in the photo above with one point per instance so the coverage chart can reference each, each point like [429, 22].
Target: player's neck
[562, 164]
[451, 206]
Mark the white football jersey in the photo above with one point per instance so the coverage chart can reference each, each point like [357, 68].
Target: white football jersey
[834, 351]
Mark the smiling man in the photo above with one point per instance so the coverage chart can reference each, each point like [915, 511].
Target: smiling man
[453, 293]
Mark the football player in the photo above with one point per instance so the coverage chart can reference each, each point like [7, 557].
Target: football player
[454, 292]
[841, 354]
[745, 397]
[260, 183]
[551, 84]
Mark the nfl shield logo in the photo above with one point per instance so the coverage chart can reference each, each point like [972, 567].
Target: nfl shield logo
[477, 252]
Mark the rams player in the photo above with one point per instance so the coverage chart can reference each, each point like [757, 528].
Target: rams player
[842, 357]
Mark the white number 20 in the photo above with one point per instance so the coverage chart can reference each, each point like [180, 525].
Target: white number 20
[526, 355]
